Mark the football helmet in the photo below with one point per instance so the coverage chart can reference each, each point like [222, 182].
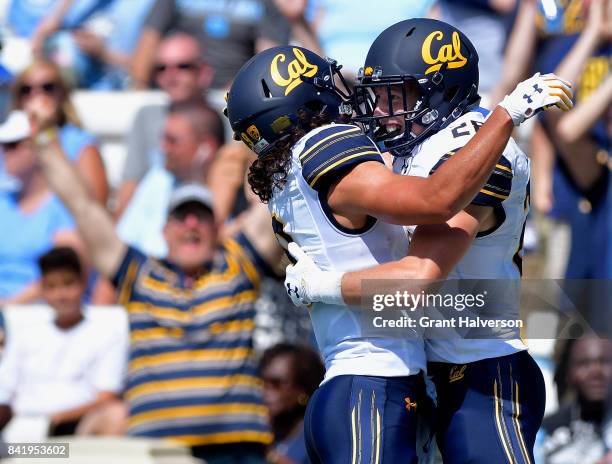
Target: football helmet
[428, 58]
[279, 87]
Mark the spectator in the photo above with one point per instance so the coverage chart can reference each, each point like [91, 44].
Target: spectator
[291, 374]
[33, 219]
[229, 36]
[192, 135]
[574, 433]
[40, 90]
[571, 189]
[185, 77]
[582, 144]
[66, 368]
[191, 375]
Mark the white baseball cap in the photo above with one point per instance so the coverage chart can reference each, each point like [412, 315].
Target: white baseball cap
[190, 193]
[16, 127]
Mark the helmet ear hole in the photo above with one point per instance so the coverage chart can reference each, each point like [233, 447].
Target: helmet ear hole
[266, 89]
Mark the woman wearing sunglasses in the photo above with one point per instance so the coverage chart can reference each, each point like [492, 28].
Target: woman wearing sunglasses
[42, 93]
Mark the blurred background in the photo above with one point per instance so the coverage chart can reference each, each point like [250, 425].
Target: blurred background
[136, 87]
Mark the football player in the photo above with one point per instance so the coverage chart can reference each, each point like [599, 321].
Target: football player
[418, 97]
[329, 190]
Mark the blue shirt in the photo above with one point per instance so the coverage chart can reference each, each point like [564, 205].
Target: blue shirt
[25, 237]
[73, 139]
[24, 15]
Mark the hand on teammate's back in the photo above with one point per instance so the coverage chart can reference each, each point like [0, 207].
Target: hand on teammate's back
[306, 283]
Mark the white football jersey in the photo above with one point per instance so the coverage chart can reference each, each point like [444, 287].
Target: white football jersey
[299, 214]
[495, 254]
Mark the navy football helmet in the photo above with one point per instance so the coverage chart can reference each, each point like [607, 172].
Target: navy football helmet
[423, 56]
[276, 89]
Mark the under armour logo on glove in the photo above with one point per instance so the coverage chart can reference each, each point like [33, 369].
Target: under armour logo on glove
[306, 283]
[293, 290]
[538, 93]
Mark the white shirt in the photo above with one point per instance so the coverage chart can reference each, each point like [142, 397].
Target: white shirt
[45, 369]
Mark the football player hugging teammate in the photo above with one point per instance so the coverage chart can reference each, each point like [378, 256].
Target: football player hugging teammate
[341, 213]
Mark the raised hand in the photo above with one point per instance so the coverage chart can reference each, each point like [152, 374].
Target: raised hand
[538, 93]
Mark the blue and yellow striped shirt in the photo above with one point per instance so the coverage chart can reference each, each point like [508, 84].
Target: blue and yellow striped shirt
[192, 376]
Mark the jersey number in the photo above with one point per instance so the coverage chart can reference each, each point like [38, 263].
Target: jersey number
[463, 129]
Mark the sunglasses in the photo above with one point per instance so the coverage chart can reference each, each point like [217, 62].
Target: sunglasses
[10, 145]
[185, 66]
[47, 87]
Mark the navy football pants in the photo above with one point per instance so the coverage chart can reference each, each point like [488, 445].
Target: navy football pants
[364, 420]
[488, 411]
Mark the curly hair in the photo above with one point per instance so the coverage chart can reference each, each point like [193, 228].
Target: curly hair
[269, 172]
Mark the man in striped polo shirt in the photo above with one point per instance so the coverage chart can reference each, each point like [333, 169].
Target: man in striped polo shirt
[191, 375]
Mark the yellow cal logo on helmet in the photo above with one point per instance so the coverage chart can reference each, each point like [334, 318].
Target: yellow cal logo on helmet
[295, 68]
[448, 53]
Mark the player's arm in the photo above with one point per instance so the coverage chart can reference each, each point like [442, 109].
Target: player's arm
[94, 223]
[434, 251]
[369, 189]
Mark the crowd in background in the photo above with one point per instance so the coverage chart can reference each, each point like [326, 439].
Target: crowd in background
[114, 383]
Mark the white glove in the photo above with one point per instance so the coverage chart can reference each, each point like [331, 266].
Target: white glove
[305, 283]
[536, 94]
